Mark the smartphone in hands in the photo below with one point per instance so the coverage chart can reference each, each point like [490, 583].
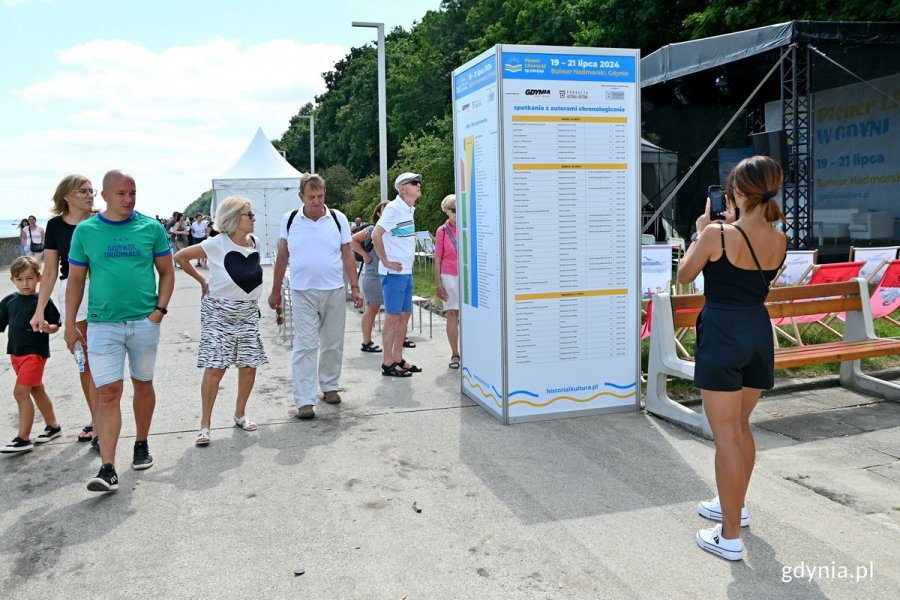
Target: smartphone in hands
[718, 207]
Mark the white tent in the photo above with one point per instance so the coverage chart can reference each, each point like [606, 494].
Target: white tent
[263, 176]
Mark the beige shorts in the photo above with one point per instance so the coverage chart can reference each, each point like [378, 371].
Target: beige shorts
[451, 286]
[61, 286]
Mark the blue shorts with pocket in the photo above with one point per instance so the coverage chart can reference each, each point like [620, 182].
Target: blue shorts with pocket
[109, 343]
[397, 291]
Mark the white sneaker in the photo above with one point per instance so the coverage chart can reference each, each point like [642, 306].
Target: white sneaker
[712, 541]
[712, 510]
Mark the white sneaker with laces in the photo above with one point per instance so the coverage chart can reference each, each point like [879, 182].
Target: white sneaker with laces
[712, 541]
[712, 510]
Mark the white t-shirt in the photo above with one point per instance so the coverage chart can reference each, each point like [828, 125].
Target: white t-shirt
[234, 271]
[198, 230]
[314, 250]
[399, 236]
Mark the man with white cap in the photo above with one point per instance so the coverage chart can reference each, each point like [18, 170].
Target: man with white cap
[394, 238]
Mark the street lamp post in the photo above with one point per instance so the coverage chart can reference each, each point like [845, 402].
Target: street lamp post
[382, 106]
[312, 141]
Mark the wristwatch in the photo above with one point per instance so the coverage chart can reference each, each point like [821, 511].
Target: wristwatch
[164, 311]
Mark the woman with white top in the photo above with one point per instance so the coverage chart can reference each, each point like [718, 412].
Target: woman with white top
[34, 234]
[229, 310]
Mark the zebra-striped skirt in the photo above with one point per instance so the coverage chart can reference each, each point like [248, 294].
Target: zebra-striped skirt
[229, 334]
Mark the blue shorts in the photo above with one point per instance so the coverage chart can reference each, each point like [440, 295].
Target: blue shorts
[108, 344]
[397, 291]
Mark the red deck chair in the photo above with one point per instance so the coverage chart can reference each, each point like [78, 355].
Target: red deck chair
[885, 298]
[648, 315]
[827, 273]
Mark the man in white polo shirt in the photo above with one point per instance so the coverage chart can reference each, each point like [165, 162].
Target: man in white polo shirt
[315, 243]
[394, 238]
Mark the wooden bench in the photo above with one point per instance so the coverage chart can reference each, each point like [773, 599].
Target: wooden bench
[859, 341]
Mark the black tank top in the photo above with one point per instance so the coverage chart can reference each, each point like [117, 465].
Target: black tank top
[727, 284]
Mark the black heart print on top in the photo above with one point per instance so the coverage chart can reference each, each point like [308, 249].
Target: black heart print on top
[245, 271]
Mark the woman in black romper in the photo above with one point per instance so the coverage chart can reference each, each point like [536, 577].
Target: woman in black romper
[735, 350]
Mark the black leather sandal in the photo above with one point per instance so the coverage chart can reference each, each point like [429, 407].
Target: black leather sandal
[370, 347]
[394, 370]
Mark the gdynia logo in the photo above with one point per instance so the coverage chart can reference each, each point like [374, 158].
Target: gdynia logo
[537, 92]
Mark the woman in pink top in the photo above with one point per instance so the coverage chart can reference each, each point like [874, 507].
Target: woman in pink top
[446, 275]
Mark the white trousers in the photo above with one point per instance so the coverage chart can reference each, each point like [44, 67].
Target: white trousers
[319, 317]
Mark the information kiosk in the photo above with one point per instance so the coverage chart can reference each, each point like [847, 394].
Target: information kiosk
[547, 151]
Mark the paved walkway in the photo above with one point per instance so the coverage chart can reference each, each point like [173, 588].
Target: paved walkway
[408, 490]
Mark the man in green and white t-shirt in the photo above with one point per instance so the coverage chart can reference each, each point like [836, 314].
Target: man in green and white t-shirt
[395, 242]
[121, 248]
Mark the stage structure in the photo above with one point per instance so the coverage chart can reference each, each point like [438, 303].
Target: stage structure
[548, 154]
[825, 113]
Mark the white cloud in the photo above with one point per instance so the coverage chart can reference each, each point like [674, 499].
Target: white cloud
[175, 118]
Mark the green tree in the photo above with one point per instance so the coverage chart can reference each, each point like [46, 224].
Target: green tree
[200, 205]
[546, 22]
[632, 23]
[364, 197]
[295, 141]
[431, 155]
[339, 182]
[715, 17]
[347, 114]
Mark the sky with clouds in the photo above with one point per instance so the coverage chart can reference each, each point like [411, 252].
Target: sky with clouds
[171, 91]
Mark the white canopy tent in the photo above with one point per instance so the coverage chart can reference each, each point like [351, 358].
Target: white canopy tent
[264, 177]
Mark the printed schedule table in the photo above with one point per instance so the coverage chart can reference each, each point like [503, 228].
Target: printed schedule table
[547, 151]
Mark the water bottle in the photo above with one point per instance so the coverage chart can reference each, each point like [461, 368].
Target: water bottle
[79, 356]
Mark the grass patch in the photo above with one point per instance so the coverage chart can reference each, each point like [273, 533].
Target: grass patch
[423, 282]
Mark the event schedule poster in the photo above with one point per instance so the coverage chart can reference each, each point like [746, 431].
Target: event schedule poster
[571, 129]
[477, 152]
[568, 214]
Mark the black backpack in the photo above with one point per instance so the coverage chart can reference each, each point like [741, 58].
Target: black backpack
[294, 214]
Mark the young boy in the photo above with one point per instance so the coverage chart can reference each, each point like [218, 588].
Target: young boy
[29, 351]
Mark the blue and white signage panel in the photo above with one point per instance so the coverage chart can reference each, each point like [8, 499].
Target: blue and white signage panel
[571, 174]
[478, 205]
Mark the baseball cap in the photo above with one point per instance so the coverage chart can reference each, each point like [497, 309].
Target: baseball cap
[406, 178]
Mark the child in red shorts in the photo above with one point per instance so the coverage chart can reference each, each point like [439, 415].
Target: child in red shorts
[29, 351]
